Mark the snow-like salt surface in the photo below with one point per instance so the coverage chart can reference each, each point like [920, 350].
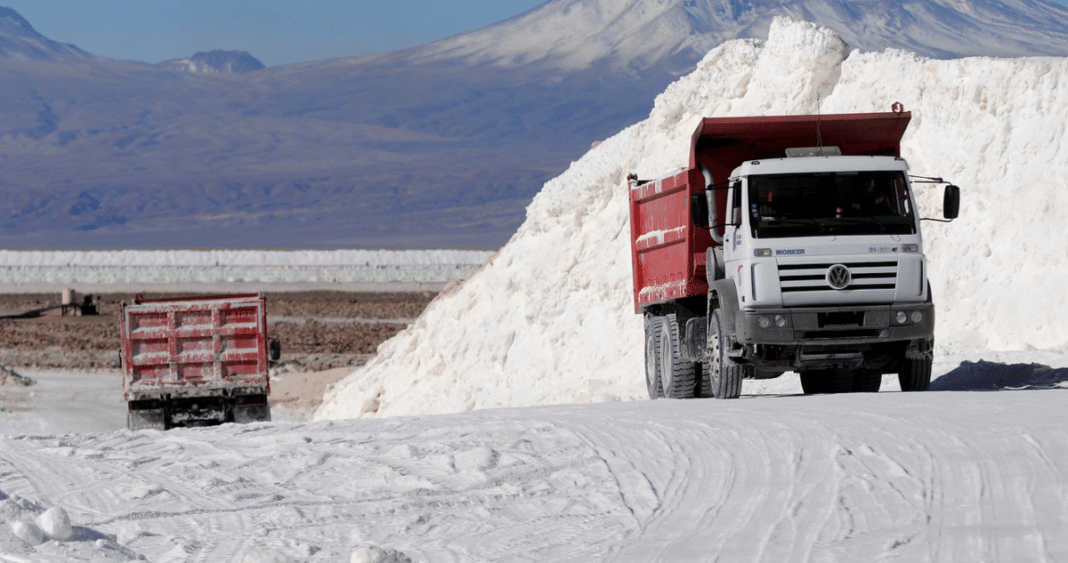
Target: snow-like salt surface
[550, 318]
[27, 267]
[352, 257]
[938, 476]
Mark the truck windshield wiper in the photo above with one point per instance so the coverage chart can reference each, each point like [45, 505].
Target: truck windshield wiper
[784, 221]
[864, 220]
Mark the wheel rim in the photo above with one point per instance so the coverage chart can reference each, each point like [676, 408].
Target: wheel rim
[715, 362]
[650, 365]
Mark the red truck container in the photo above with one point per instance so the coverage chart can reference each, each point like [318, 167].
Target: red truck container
[196, 360]
[789, 244]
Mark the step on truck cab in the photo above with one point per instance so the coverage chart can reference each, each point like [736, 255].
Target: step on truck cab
[790, 244]
[193, 361]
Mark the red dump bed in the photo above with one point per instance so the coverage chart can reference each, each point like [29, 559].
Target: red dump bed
[195, 346]
[668, 252]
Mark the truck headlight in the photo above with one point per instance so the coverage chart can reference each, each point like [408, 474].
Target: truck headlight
[764, 322]
[780, 321]
[901, 317]
[916, 316]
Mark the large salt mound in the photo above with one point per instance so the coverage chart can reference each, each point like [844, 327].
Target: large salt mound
[550, 319]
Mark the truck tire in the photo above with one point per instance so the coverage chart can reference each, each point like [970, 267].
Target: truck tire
[815, 382]
[867, 381]
[724, 374]
[676, 373]
[251, 408]
[652, 357]
[704, 381]
[915, 375]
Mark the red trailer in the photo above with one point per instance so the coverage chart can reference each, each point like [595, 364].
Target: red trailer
[196, 360]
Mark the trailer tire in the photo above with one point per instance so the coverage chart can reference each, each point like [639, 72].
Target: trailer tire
[676, 372]
[830, 381]
[915, 375]
[251, 408]
[867, 381]
[652, 357]
[724, 374]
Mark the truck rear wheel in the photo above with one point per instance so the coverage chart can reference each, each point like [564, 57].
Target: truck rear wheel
[652, 357]
[915, 375]
[724, 374]
[676, 373]
[251, 408]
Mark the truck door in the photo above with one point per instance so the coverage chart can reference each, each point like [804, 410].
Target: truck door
[734, 234]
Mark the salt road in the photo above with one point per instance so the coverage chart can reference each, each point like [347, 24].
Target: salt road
[937, 476]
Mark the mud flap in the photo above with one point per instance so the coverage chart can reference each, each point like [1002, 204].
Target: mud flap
[146, 415]
[251, 408]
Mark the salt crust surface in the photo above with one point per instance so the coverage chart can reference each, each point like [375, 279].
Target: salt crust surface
[550, 318]
[350, 257]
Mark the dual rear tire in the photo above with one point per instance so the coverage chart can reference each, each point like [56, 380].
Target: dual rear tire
[669, 375]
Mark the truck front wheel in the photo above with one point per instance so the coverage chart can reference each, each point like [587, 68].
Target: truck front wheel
[652, 357]
[915, 375]
[724, 374]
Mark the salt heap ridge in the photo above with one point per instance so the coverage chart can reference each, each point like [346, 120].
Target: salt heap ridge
[550, 318]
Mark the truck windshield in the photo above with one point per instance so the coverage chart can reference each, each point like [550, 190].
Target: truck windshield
[840, 203]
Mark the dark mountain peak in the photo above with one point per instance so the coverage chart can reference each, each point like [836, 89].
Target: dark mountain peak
[12, 23]
[215, 62]
[19, 40]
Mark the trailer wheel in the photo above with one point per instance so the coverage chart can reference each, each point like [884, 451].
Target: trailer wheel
[867, 381]
[915, 375]
[652, 357]
[724, 374]
[676, 373]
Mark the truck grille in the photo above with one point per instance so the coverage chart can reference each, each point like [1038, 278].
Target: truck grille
[866, 275]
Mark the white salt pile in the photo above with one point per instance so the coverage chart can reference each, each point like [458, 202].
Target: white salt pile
[550, 319]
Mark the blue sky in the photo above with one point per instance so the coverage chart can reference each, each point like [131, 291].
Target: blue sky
[275, 31]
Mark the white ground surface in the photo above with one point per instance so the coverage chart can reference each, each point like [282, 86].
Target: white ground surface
[955, 475]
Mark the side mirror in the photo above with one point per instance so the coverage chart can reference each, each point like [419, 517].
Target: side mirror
[951, 202]
[699, 210]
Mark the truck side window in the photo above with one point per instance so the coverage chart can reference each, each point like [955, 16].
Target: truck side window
[736, 203]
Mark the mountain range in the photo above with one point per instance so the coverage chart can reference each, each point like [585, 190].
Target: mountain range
[441, 145]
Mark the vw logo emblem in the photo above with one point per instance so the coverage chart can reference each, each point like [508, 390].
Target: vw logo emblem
[838, 277]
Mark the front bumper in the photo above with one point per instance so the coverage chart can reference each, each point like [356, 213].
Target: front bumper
[873, 324]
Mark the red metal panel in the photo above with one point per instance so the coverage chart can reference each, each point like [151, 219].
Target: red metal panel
[663, 238]
[206, 343]
[722, 143]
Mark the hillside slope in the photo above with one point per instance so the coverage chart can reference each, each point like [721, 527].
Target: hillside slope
[555, 306]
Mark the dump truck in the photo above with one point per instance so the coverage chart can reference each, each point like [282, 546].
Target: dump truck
[193, 361]
[790, 244]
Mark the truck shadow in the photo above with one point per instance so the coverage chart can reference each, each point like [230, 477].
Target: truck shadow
[992, 376]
